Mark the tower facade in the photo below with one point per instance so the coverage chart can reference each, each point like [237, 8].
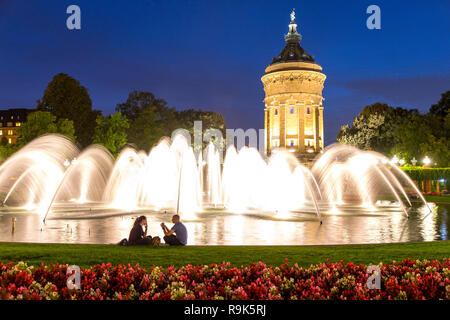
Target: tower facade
[293, 85]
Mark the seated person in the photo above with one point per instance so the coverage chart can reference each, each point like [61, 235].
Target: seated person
[138, 236]
[177, 236]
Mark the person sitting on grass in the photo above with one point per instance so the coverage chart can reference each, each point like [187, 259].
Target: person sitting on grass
[177, 236]
[138, 235]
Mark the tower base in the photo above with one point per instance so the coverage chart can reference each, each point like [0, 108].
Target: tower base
[306, 159]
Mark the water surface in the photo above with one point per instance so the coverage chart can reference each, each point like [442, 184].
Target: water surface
[215, 227]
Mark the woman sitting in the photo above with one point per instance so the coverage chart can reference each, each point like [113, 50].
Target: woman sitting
[138, 235]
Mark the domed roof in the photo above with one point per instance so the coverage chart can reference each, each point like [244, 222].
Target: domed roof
[293, 51]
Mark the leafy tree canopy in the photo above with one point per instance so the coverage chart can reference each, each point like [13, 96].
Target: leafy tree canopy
[66, 98]
[42, 122]
[373, 128]
[405, 133]
[441, 108]
[151, 119]
[6, 150]
[111, 132]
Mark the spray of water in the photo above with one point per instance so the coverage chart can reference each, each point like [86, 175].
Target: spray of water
[50, 175]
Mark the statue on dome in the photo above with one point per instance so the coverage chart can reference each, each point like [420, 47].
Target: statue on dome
[293, 15]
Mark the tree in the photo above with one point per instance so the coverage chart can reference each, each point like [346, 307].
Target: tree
[438, 148]
[146, 130]
[138, 101]
[437, 145]
[150, 118]
[405, 133]
[111, 132]
[373, 128]
[441, 108]
[410, 135]
[209, 119]
[66, 98]
[7, 150]
[42, 122]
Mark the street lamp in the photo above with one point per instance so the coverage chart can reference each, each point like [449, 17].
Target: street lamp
[68, 162]
[414, 161]
[394, 160]
[426, 161]
[402, 162]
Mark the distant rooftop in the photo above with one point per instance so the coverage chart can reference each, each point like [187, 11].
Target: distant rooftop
[13, 115]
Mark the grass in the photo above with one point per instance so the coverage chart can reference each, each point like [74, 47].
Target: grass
[85, 255]
[438, 199]
[442, 199]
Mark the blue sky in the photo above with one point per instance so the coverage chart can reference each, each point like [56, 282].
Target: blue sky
[212, 54]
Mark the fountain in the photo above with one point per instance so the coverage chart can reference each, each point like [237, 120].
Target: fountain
[51, 186]
[50, 176]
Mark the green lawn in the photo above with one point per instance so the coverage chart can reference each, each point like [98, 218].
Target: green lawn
[438, 199]
[442, 199]
[87, 255]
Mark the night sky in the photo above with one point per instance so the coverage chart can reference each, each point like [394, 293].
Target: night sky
[212, 54]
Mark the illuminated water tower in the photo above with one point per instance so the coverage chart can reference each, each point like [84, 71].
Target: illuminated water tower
[293, 84]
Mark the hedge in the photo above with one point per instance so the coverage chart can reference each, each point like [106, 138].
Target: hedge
[426, 174]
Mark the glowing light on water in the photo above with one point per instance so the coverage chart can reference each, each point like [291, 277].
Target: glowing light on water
[334, 210]
[283, 215]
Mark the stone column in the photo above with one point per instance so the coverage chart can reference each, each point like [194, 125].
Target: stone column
[315, 127]
[282, 114]
[322, 138]
[301, 127]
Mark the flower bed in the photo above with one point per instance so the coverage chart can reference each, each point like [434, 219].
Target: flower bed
[409, 279]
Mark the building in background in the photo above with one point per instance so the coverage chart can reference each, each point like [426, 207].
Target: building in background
[293, 85]
[10, 121]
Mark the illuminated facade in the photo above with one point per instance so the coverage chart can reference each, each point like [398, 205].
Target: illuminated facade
[293, 84]
[10, 121]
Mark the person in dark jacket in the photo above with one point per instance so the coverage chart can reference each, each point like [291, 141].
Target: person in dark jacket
[138, 234]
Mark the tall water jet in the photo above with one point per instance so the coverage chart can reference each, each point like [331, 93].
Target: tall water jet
[122, 190]
[31, 176]
[85, 179]
[214, 183]
[161, 177]
[188, 188]
[243, 180]
[360, 175]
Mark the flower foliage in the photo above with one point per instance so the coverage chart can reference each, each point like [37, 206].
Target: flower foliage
[408, 279]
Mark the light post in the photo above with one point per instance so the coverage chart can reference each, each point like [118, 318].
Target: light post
[414, 161]
[426, 161]
[68, 162]
[402, 162]
[394, 160]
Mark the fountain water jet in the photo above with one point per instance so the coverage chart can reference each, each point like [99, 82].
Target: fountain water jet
[170, 177]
